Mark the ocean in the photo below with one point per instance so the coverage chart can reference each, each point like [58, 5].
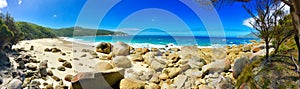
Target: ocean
[149, 41]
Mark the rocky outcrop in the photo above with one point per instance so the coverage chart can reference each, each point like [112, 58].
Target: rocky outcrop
[121, 61]
[132, 84]
[120, 49]
[104, 48]
[96, 80]
[239, 65]
[103, 66]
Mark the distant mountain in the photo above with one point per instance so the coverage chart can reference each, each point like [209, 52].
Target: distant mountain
[34, 31]
[250, 35]
[68, 32]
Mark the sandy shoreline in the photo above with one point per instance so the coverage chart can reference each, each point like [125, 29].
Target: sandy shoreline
[83, 57]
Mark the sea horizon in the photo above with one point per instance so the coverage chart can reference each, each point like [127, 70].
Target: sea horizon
[162, 41]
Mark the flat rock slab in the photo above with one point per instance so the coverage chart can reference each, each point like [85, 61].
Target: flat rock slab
[97, 80]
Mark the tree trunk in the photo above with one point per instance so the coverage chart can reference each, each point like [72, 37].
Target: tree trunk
[295, 12]
[267, 50]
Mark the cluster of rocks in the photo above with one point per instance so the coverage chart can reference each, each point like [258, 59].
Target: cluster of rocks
[29, 70]
[185, 67]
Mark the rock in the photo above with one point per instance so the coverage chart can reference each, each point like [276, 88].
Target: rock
[154, 78]
[204, 87]
[174, 57]
[172, 72]
[30, 74]
[34, 61]
[154, 49]
[131, 84]
[254, 58]
[67, 64]
[1, 81]
[189, 51]
[255, 49]
[103, 66]
[50, 73]
[43, 71]
[196, 62]
[61, 60]
[55, 50]
[61, 87]
[75, 58]
[120, 49]
[156, 65]
[84, 55]
[179, 81]
[247, 48]
[239, 65]
[121, 61]
[47, 50]
[133, 76]
[152, 86]
[104, 48]
[97, 80]
[193, 73]
[175, 49]
[163, 76]
[32, 67]
[68, 78]
[14, 84]
[217, 66]
[136, 57]
[44, 64]
[64, 54]
[21, 65]
[49, 86]
[165, 86]
[219, 53]
[55, 78]
[149, 57]
[61, 68]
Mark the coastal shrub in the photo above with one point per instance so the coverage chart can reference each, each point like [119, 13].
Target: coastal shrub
[246, 76]
[5, 35]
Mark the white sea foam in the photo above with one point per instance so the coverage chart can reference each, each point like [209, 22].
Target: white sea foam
[142, 45]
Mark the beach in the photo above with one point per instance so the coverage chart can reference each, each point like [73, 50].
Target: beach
[151, 68]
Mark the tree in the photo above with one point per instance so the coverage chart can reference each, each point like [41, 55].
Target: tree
[5, 34]
[266, 14]
[282, 32]
[294, 11]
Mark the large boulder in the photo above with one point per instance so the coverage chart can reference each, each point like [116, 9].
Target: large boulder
[14, 84]
[217, 66]
[43, 68]
[179, 81]
[218, 53]
[196, 62]
[97, 80]
[189, 50]
[104, 48]
[103, 66]
[121, 61]
[131, 84]
[120, 49]
[239, 65]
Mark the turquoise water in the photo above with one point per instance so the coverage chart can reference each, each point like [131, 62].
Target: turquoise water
[151, 40]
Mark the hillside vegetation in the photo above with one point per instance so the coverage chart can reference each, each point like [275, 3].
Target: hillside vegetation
[33, 31]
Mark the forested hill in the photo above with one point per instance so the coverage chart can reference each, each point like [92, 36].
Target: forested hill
[80, 31]
[33, 31]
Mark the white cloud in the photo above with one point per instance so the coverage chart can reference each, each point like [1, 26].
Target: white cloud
[3, 4]
[247, 21]
[20, 2]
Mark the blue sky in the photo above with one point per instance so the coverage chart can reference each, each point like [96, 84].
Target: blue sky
[129, 16]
